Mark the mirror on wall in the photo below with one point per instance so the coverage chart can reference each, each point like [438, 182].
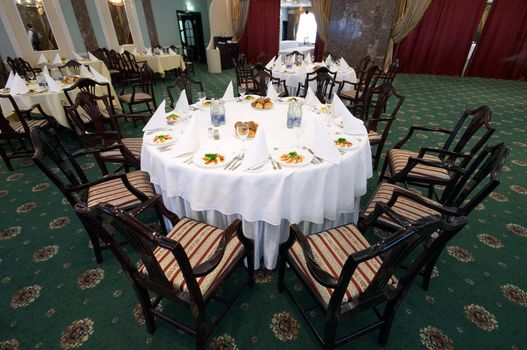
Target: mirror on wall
[36, 24]
[120, 22]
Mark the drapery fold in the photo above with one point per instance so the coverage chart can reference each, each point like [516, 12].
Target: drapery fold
[502, 49]
[322, 11]
[408, 13]
[239, 15]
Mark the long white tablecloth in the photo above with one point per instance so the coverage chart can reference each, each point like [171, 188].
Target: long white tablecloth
[162, 63]
[317, 196]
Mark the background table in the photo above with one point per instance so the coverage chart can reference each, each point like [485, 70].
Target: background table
[162, 63]
[316, 196]
[302, 49]
[97, 64]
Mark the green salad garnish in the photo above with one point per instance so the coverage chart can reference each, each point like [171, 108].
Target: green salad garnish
[211, 156]
[293, 155]
[341, 140]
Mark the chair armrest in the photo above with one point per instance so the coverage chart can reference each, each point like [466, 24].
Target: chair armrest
[414, 161]
[103, 179]
[400, 192]
[343, 83]
[453, 154]
[133, 116]
[157, 202]
[93, 150]
[381, 209]
[421, 128]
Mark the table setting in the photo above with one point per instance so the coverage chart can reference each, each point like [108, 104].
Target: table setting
[257, 168]
[91, 61]
[160, 61]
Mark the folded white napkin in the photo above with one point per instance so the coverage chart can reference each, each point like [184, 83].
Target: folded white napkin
[270, 64]
[278, 65]
[52, 84]
[45, 70]
[92, 57]
[42, 59]
[158, 119]
[57, 59]
[182, 103]
[257, 152]
[18, 86]
[344, 65]
[328, 59]
[189, 141]
[352, 125]
[121, 51]
[9, 80]
[311, 98]
[98, 76]
[149, 52]
[324, 146]
[308, 59]
[76, 56]
[171, 52]
[85, 73]
[229, 93]
[135, 51]
[271, 91]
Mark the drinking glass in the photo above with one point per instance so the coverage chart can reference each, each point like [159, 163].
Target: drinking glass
[298, 129]
[202, 96]
[243, 133]
[242, 91]
[328, 112]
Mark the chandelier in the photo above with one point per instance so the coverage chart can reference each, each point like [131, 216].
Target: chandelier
[117, 2]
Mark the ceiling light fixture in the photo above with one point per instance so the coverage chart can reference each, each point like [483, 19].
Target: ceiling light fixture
[117, 2]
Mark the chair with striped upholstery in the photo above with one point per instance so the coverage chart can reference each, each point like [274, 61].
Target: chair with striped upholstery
[359, 92]
[105, 131]
[458, 199]
[142, 92]
[188, 266]
[125, 191]
[472, 130]
[346, 275]
[14, 130]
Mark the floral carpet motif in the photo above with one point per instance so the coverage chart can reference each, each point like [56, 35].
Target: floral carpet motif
[54, 296]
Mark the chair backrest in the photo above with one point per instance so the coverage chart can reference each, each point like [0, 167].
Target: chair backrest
[471, 132]
[24, 69]
[261, 80]
[5, 126]
[296, 55]
[244, 77]
[262, 58]
[382, 95]
[50, 151]
[183, 82]
[174, 48]
[242, 59]
[71, 67]
[325, 82]
[471, 188]
[89, 85]
[364, 63]
[393, 69]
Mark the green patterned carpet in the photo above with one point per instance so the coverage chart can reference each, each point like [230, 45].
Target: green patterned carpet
[53, 295]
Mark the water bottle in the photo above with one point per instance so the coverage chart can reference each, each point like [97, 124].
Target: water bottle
[221, 112]
[214, 117]
[291, 115]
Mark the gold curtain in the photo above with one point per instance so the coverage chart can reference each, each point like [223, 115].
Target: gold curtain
[322, 11]
[407, 15]
[239, 14]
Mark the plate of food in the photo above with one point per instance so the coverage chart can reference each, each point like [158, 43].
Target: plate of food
[174, 117]
[262, 103]
[206, 103]
[323, 108]
[252, 129]
[346, 143]
[210, 159]
[250, 98]
[293, 99]
[292, 157]
[160, 138]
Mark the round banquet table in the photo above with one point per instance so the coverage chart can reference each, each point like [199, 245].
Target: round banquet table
[316, 197]
[297, 74]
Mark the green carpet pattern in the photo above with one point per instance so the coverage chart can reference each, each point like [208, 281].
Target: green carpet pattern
[53, 295]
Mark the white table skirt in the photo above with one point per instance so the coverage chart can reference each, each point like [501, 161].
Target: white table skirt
[289, 44]
[162, 63]
[266, 200]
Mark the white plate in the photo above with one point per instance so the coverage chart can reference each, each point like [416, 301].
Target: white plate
[308, 157]
[181, 117]
[355, 142]
[198, 159]
[149, 139]
[291, 99]
[247, 98]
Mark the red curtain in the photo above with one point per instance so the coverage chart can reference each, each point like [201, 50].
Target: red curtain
[440, 43]
[502, 48]
[262, 30]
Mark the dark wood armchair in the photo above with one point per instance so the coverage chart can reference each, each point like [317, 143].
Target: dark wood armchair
[102, 130]
[188, 266]
[125, 191]
[297, 56]
[23, 68]
[346, 275]
[471, 132]
[142, 92]
[14, 135]
[70, 68]
[244, 77]
[183, 82]
[188, 58]
[325, 81]
[458, 199]
[358, 93]
[364, 64]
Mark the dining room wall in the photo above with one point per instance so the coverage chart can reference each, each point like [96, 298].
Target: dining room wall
[73, 26]
[360, 27]
[5, 45]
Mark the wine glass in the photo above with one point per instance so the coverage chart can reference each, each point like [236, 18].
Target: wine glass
[328, 110]
[298, 129]
[243, 133]
[202, 96]
[242, 91]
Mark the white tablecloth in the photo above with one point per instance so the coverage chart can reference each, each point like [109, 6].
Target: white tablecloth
[301, 49]
[267, 201]
[298, 75]
[162, 63]
[97, 64]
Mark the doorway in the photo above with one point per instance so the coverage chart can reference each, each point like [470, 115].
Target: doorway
[191, 35]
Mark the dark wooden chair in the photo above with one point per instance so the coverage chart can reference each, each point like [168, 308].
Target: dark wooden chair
[188, 58]
[297, 56]
[188, 266]
[380, 123]
[262, 58]
[242, 60]
[359, 94]
[91, 86]
[389, 76]
[245, 78]
[262, 76]
[175, 48]
[14, 134]
[142, 92]
[4, 73]
[70, 68]
[325, 81]
[458, 199]
[115, 66]
[126, 191]
[364, 64]
[346, 275]
[23, 68]
[471, 132]
[183, 82]
[104, 132]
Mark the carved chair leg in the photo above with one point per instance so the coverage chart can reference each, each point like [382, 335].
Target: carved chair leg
[201, 331]
[250, 264]
[5, 158]
[146, 307]
[429, 268]
[384, 167]
[330, 333]
[95, 243]
[378, 153]
[388, 316]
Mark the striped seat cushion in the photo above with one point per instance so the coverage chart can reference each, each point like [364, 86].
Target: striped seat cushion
[348, 94]
[199, 241]
[134, 144]
[18, 127]
[139, 96]
[399, 158]
[85, 117]
[114, 191]
[405, 207]
[331, 248]
[374, 137]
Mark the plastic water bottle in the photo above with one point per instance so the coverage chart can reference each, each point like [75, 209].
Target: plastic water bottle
[298, 116]
[291, 115]
[221, 112]
[214, 117]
